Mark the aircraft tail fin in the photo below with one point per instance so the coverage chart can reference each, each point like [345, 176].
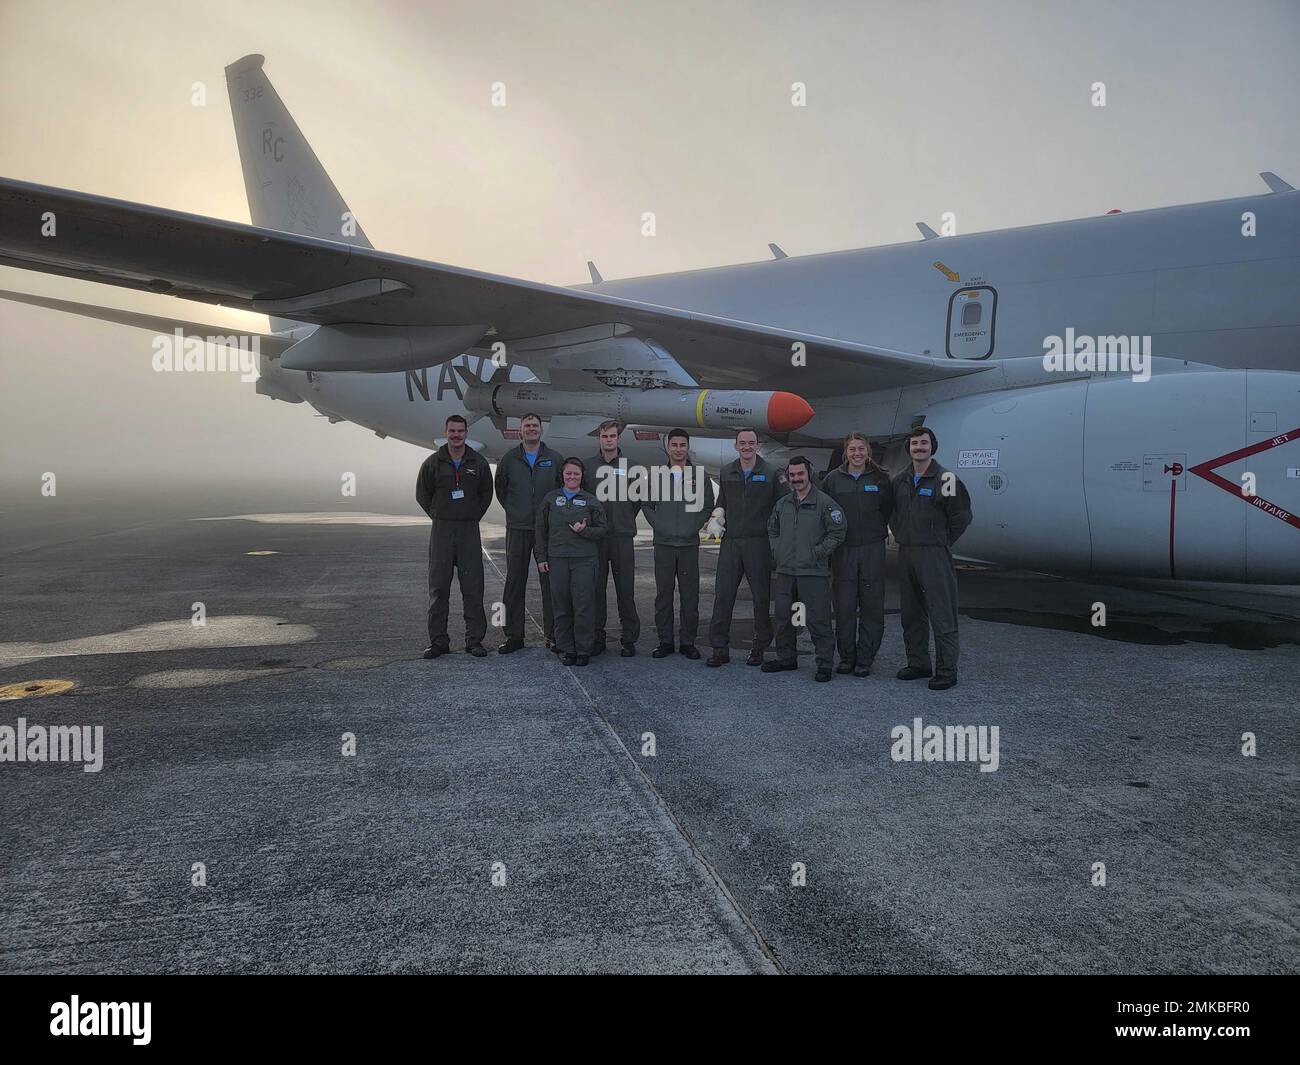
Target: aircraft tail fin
[287, 187]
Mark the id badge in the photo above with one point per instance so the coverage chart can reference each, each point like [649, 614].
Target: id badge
[458, 493]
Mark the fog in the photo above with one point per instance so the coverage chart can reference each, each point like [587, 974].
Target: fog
[683, 109]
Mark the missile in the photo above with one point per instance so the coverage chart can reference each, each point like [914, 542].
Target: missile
[700, 408]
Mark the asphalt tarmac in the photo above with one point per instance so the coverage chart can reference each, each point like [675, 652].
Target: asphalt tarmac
[508, 814]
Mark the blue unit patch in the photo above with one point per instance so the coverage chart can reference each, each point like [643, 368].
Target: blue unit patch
[925, 491]
[871, 488]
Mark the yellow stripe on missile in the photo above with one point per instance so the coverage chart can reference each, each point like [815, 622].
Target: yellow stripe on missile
[699, 408]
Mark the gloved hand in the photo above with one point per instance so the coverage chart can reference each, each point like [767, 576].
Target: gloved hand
[716, 525]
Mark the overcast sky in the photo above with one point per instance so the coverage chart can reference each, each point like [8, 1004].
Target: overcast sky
[913, 109]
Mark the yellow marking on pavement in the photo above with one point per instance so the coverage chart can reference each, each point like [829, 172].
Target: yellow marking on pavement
[29, 689]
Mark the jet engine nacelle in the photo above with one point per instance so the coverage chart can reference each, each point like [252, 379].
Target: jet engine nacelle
[1190, 475]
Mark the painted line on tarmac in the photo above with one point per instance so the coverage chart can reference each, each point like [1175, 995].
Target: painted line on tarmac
[616, 741]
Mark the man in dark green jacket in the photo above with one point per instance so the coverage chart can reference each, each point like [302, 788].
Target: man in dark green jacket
[747, 489]
[931, 511]
[524, 476]
[606, 478]
[806, 525]
[570, 525]
[677, 523]
[454, 488]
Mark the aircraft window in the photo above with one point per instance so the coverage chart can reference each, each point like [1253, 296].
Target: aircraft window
[972, 313]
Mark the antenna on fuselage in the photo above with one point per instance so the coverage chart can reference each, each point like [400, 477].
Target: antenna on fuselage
[1275, 183]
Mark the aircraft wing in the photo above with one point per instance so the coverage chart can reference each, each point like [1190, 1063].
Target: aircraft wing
[308, 279]
[269, 343]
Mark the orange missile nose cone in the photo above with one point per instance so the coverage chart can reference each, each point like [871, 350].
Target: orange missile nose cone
[787, 412]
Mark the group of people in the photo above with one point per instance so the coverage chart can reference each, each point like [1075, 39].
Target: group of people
[814, 549]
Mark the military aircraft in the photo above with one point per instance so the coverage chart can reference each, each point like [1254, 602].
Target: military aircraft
[1119, 394]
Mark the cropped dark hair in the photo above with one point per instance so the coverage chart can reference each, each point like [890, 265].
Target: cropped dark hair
[800, 460]
[456, 418]
[921, 430]
[673, 434]
[573, 461]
